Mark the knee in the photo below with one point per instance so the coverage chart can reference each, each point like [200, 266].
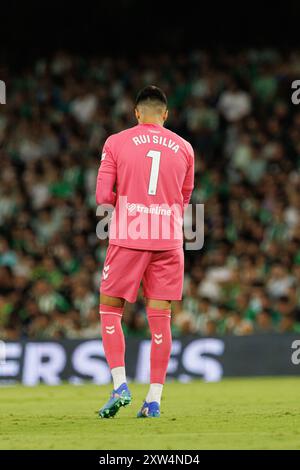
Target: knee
[158, 304]
[111, 301]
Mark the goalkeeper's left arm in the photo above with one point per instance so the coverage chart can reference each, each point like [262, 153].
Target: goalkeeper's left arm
[106, 178]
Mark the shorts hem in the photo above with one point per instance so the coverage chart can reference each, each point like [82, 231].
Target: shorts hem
[162, 297]
[120, 296]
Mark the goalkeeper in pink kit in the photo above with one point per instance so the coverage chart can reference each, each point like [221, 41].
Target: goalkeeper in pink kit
[151, 170]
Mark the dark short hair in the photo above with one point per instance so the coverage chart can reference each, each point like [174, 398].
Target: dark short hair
[151, 94]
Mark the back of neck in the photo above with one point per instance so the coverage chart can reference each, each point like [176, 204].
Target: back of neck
[153, 121]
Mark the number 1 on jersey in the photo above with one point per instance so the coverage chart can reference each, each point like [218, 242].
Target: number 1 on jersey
[155, 155]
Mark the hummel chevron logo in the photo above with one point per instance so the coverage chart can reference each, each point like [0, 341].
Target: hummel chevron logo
[158, 339]
[105, 271]
[110, 330]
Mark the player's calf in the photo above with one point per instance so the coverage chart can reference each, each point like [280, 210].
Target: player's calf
[159, 321]
[114, 347]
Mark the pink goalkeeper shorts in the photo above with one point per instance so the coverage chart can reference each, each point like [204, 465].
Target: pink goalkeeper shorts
[161, 273]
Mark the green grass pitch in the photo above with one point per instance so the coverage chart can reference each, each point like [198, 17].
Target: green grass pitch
[232, 414]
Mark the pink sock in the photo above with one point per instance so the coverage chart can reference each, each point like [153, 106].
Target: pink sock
[160, 327]
[112, 335]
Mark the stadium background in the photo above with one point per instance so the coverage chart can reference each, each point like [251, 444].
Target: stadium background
[71, 76]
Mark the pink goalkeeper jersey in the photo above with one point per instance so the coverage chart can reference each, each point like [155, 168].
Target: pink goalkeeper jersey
[152, 169]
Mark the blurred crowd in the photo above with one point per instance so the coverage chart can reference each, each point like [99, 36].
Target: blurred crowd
[235, 109]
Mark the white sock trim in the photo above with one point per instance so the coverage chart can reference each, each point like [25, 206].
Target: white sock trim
[154, 393]
[110, 313]
[119, 376]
